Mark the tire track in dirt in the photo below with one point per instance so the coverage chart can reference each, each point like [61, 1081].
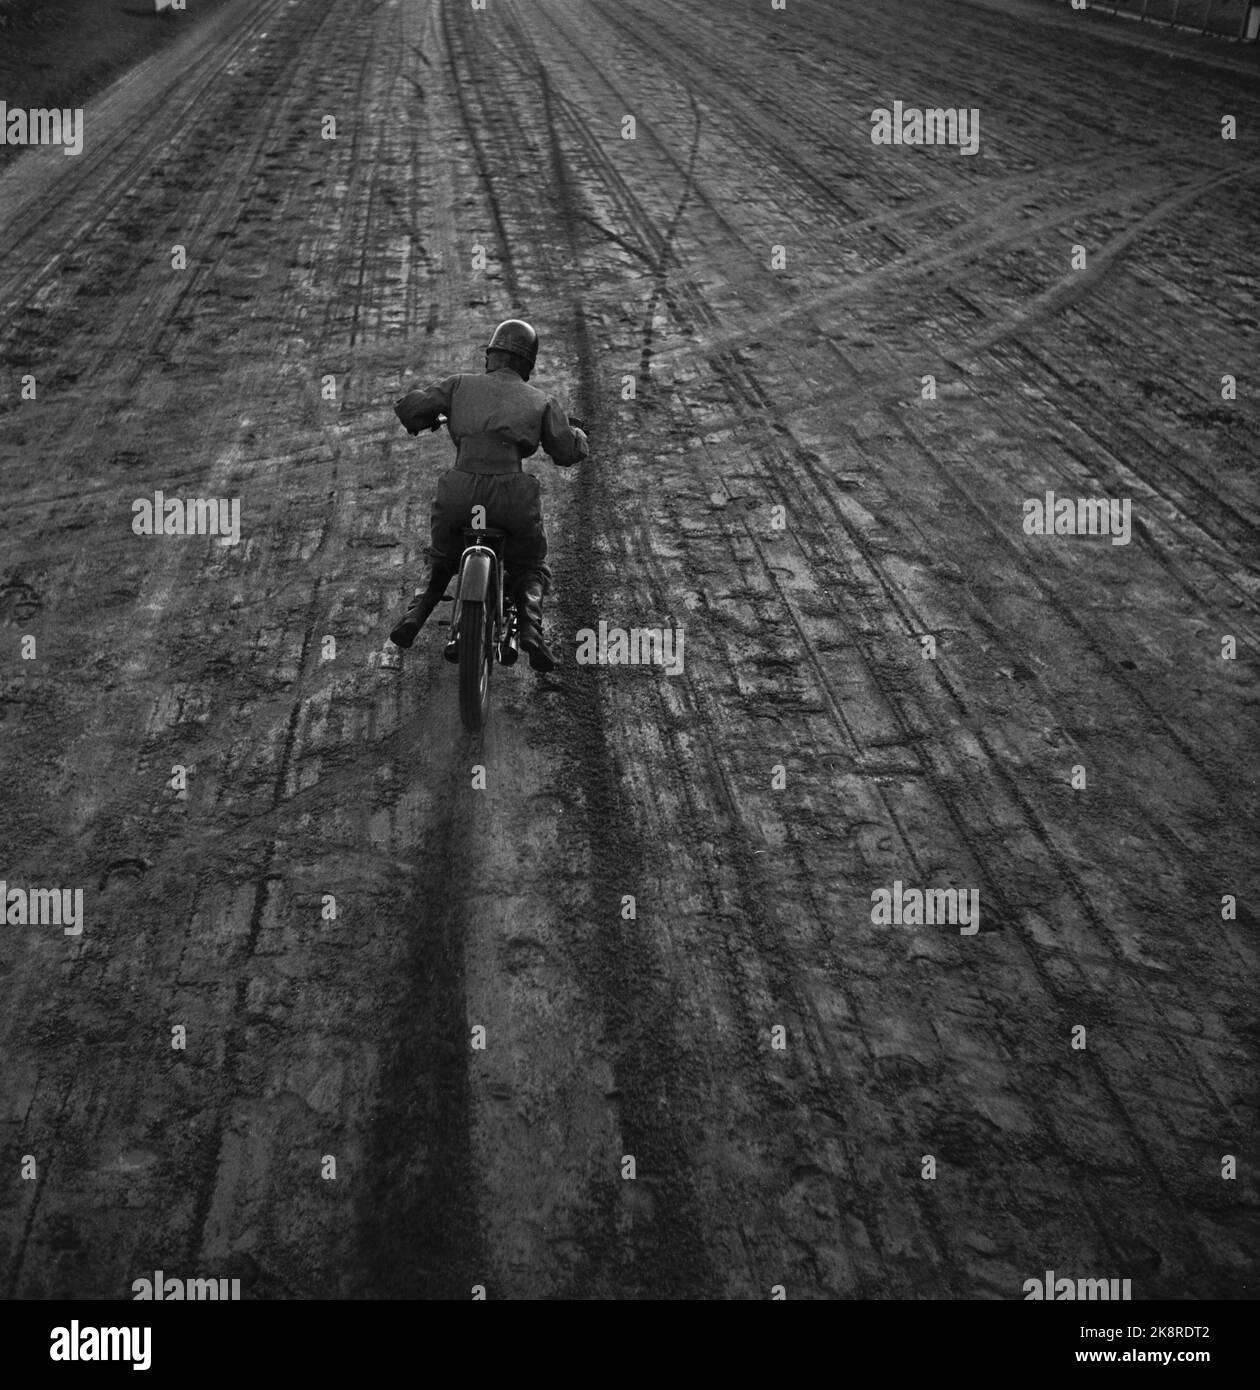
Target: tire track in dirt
[646, 1243]
[622, 971]
[265, 892]
[736, 855]
[737, 850]
[735, 395]
[416, 1234]
[892, 380]
[47, 1140]
[1034, 820]
[85, 186]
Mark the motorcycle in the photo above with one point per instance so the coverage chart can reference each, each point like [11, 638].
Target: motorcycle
[484, 622]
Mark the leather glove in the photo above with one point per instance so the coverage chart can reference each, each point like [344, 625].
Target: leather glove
[410, 423]
[414, 422]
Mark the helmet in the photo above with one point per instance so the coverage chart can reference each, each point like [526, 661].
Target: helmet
[518, 338]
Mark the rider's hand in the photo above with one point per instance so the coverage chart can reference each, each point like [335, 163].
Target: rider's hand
[575, 423]
[407, 416]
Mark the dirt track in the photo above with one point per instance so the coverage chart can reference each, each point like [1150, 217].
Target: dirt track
[502, 908]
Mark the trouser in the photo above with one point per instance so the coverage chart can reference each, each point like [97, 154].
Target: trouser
[512, 504]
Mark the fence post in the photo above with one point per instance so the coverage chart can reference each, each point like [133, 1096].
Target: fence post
[1247, 30]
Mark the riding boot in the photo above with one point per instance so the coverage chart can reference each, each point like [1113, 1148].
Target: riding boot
[422, 605]
[529, 596]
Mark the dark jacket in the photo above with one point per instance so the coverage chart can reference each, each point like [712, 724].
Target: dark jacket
[496, 405]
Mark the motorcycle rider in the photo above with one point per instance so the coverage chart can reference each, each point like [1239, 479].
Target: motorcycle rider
[496, 420]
